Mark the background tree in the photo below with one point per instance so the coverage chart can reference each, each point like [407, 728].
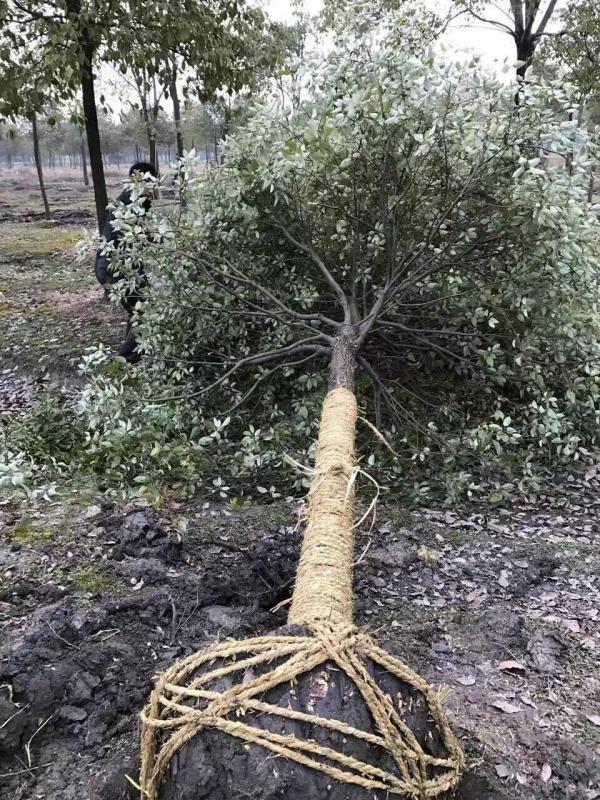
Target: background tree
[525, 21]
[72, 36]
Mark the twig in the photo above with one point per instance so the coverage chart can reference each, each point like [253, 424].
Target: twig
[32, 737]
[22, 771]
[110, 631]
[16, 714]
[58, 636]
[364, 552]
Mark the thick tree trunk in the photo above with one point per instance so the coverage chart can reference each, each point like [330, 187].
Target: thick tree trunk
[86, 177]
[176, 112]
[323, 589]
[525, 51]
[38, 165]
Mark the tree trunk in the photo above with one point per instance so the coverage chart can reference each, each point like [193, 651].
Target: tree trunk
[38, 164]
[152, 151]
[86, 177]
[93, 140]
[212, 764]
[323, 589]
[176, 112]
[86, 71]
[591, 187]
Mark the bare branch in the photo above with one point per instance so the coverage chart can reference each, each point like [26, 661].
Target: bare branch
[546, 18]
[265, 357]
[339, 292]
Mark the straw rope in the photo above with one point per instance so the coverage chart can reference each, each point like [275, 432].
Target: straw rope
[183, 703]
[185, 700]
[323, 588]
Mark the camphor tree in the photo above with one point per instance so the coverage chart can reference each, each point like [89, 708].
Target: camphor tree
[400, 211]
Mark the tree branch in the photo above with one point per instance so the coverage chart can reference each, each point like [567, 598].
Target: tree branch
[334, 285]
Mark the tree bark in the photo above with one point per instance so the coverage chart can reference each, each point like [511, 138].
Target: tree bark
[152, 151]
[176, 112]
[343, 362]
[93, 136]
[86, 76]
[38, 164]
[525, 51]
[86, 177]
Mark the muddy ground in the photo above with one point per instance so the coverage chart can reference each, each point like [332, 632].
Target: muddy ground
[499, 605]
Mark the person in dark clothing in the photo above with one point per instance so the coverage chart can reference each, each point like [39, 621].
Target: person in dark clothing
[107, 276]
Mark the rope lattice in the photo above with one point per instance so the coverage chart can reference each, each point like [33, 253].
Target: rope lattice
[184, 703]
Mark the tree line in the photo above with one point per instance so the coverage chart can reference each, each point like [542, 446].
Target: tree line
[62, 142]
[51, 52]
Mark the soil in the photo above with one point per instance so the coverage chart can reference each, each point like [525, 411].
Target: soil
[503, 609]
[499, 605]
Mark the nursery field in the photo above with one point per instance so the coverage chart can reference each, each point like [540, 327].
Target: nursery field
[498, 605]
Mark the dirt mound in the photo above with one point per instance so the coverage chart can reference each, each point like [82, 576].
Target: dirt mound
[77, 669]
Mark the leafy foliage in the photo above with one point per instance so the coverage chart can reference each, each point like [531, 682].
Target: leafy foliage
[404, 203]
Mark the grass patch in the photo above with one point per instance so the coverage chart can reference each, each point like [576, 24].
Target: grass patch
[28, 534]
[93, 581]
[32, 240]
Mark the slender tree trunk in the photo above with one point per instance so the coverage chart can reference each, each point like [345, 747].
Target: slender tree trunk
[86, 71]
[591, 187]
[38, 164]
[93, 139]
[152, 150]
[86, 177]
[176, 111]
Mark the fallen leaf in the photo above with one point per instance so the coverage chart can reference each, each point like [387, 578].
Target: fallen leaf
[594, 719]
[511, 666]
[466, 680]
[138, 585]
[502, 771]
[92, 511]
[572, 625]
[503, 579]
[546, 773]
[505, 706]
